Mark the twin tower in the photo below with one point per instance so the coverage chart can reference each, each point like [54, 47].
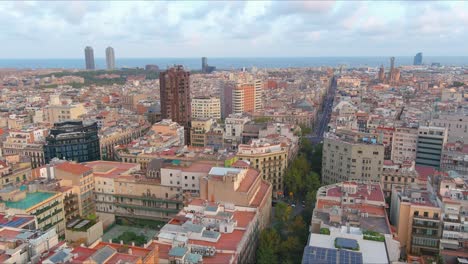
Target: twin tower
[89, 58]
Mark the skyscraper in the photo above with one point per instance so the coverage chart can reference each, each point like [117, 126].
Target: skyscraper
[381, 74]
[418, 58]
[175, 97]
[89, 58]
[204, 64]
[110, 58]
[391, 74]
[247, 97]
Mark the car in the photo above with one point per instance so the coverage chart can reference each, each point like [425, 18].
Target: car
[293, 205]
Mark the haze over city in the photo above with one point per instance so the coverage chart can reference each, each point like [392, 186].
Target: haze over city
[233, 28]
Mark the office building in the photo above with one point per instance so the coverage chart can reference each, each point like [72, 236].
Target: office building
[110, 58]
[381, 75]
[226, 91]
[205, 67]
[417, 217]
[352, 156]
[247, 98]
[89, 58]
[206, 107]
[175, 97]
[418, 59]
[72, 140]
[431, 141]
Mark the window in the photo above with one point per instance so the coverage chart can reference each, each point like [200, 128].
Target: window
[426, 214]
[185, 177]
[416, 213]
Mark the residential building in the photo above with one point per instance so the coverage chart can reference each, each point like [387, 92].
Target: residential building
[404, 144]
[270, 158]
[454, 240]
[198, 131]
[455, 158]
[89, 58]
[81, 179]
[354, 156]
[72, 140]
[14, 173]
[25, 245]
[404, 175]
[60, 113]
[122, 191]
[347, 245]
[107, 253]
[247, 97]
[456, 124]
[175, 97]
[185, 176]
[46, 206]
[430, 144]
[215, 232]
[234, 125]
[110, 58]
[206, 107]
[417, 218]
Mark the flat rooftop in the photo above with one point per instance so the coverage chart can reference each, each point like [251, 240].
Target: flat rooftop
[30, 200]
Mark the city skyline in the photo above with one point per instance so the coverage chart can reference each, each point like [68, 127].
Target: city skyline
[235, 29]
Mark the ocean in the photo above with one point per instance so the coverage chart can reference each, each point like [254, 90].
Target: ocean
[232, 63]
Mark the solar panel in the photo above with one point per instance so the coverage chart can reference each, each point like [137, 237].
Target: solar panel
[318, 255]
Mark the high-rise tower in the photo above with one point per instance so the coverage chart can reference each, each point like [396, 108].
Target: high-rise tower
[89, 58]
[110, 58]
[175, 97]
[418, 59]
[381, 74]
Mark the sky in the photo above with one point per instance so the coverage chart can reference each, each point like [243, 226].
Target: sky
[60, 29]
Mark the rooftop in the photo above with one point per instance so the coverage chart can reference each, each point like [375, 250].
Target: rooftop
[30, 200]
[73, 168]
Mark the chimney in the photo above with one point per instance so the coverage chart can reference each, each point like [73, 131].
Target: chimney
[121, 242]
[133, 244]
[130, 251]
[49, 176]
[348, 228]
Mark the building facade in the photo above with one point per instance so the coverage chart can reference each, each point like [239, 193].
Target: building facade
[347, 159]
[89, 58]
[110, 58]
[431, 141]
[72, 140]
[206, 107]
[175, 97]
[404, 144]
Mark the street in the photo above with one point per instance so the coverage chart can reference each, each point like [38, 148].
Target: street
[324, 117]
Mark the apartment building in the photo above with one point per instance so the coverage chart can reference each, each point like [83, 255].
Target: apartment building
[418, 220]
[81, 179]
[198, 136]
[14, 173]
[46, 206]
[403, 175]
[60, 113]
[404, 145]
[122, 191]
[455, 158]
[270, 158]
[247, 97]
[206, 107]
[234, 125]
[431, 141]
[456, 124]
[454, 240]
[351, 157]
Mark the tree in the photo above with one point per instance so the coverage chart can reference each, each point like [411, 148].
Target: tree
[283, 212]
[291, 249]
[268, 247]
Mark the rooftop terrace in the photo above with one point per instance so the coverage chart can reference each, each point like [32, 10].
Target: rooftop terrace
[30, 200]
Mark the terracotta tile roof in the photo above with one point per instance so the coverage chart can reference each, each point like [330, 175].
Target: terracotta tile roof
[73, 168]
[123, 258]
[225, 242]
[83, 253]
[8, 234]
[219, 258]
[243, 218]
[248, 180]
[261, 193]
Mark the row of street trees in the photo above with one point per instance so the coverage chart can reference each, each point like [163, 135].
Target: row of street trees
[284, 242]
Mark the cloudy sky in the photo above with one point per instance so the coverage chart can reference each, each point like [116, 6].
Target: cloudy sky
[233, 29]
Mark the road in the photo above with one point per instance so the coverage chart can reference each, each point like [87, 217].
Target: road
[324, 117]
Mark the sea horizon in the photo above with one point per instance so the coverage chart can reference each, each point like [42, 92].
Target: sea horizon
[226, 63]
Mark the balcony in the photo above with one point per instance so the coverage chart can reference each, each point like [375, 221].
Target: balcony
[449, 219]
[426, 224]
